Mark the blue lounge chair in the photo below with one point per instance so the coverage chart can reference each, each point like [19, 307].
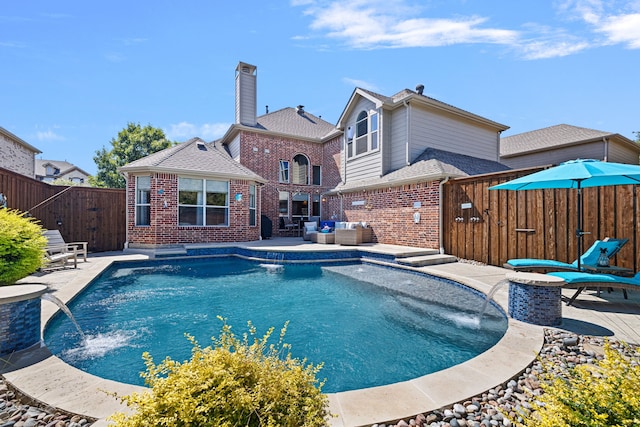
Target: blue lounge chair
[580, 280]
[589, 258]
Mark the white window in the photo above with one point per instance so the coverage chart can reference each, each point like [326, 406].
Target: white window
[203, 202]
[252, 205]
[366, 137]
[283, 175]
[283, 203]
[143, 200]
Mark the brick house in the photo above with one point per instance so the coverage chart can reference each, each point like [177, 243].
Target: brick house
[396, 153]
[276, 166]
[17, 155]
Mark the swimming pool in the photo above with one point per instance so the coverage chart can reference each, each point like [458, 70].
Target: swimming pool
[370, 325]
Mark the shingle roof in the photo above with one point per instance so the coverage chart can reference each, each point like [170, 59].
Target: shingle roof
[194, 156]
[289, 122]
[63, 166]
[550, 137]
[431, 165]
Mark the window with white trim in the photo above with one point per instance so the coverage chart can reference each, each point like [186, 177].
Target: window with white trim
[283, 203]
[366, 136]
[143, 200]
[283, 173]
[203, 202]
[252, 205]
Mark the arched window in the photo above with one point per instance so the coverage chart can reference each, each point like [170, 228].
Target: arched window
[300, 170]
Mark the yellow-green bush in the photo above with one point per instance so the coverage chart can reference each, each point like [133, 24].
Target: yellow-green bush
[590, 395]
[232, 383]
[21, 246]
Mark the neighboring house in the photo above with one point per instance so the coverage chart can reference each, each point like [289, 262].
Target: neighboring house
[17, 155]
[556, 144]
[277, 165]
[50, 170]
[396, 153]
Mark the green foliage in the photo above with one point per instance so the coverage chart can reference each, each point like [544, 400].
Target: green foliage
[232, 383]
[21, 246]
[134, 142]
[591, 395]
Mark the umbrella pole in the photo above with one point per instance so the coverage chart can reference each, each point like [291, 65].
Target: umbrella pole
[579, 229]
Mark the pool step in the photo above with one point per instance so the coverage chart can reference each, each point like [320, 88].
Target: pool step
[422, 260]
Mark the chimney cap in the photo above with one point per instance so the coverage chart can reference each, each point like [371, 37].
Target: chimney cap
[300, 109]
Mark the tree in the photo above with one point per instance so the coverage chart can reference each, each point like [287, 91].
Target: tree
[133, 143]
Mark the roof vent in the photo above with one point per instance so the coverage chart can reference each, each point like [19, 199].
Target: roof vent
[420, 89]
[201, 146]
[300, 109]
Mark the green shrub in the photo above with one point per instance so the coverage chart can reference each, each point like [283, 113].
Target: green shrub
[232, 383]
[21, 246]
[590, 395]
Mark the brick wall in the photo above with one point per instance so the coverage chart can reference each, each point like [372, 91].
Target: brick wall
[262, 154]
[16, 157]
[389, 211]
[164, 229]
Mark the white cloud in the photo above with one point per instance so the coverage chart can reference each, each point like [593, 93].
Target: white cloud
[48, 135]
[392, 24]
[184, 131]
[624, 29]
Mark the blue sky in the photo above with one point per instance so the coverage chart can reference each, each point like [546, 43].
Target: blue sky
[74, 73]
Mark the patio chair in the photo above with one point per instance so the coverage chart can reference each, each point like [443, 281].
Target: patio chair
[579, 280]
[55, 240]
[589, 258]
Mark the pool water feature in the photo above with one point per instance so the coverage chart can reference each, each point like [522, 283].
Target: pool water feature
[369, 325]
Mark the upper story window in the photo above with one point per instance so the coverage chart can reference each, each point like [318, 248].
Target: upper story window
[51, 170]
[300, 172]
[283, 173]
[366, 134]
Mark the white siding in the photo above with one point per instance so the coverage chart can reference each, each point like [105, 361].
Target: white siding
[434, 130]
[246, 102]
[398, 142]
[16, 157]
[622, 153]
[594, 150]
[368, 165]
[234, 148]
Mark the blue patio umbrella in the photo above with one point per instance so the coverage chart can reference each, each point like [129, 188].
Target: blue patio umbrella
[578, 174]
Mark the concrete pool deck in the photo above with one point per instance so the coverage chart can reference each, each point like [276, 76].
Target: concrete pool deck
[44, 377]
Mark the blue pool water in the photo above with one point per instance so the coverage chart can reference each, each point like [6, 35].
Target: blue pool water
[369, 325]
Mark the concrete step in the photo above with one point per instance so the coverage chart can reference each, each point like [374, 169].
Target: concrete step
[422, 260]
[415, 252]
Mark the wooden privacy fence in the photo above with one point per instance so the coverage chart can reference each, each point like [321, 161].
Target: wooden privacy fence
[94, 215]
[493, 226]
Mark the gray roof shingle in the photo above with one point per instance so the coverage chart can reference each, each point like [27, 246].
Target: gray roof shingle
[194, 156]
[289, 121]
[549, 137]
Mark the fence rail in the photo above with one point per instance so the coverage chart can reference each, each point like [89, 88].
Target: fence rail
[94, 215]
[494, 226]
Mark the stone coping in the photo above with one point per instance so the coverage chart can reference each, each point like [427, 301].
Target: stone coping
[15, 293]
[534, 279]
[47, 378]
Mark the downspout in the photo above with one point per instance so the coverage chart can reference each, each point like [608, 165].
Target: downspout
[406, 154]
[606, 148]
[440, 212]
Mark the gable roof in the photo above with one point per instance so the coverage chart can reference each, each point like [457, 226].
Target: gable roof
[407, 95]
[431, 165]
[193, 157]
[17, 140]
[64, 167]
[555, 137]
[289, 122]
